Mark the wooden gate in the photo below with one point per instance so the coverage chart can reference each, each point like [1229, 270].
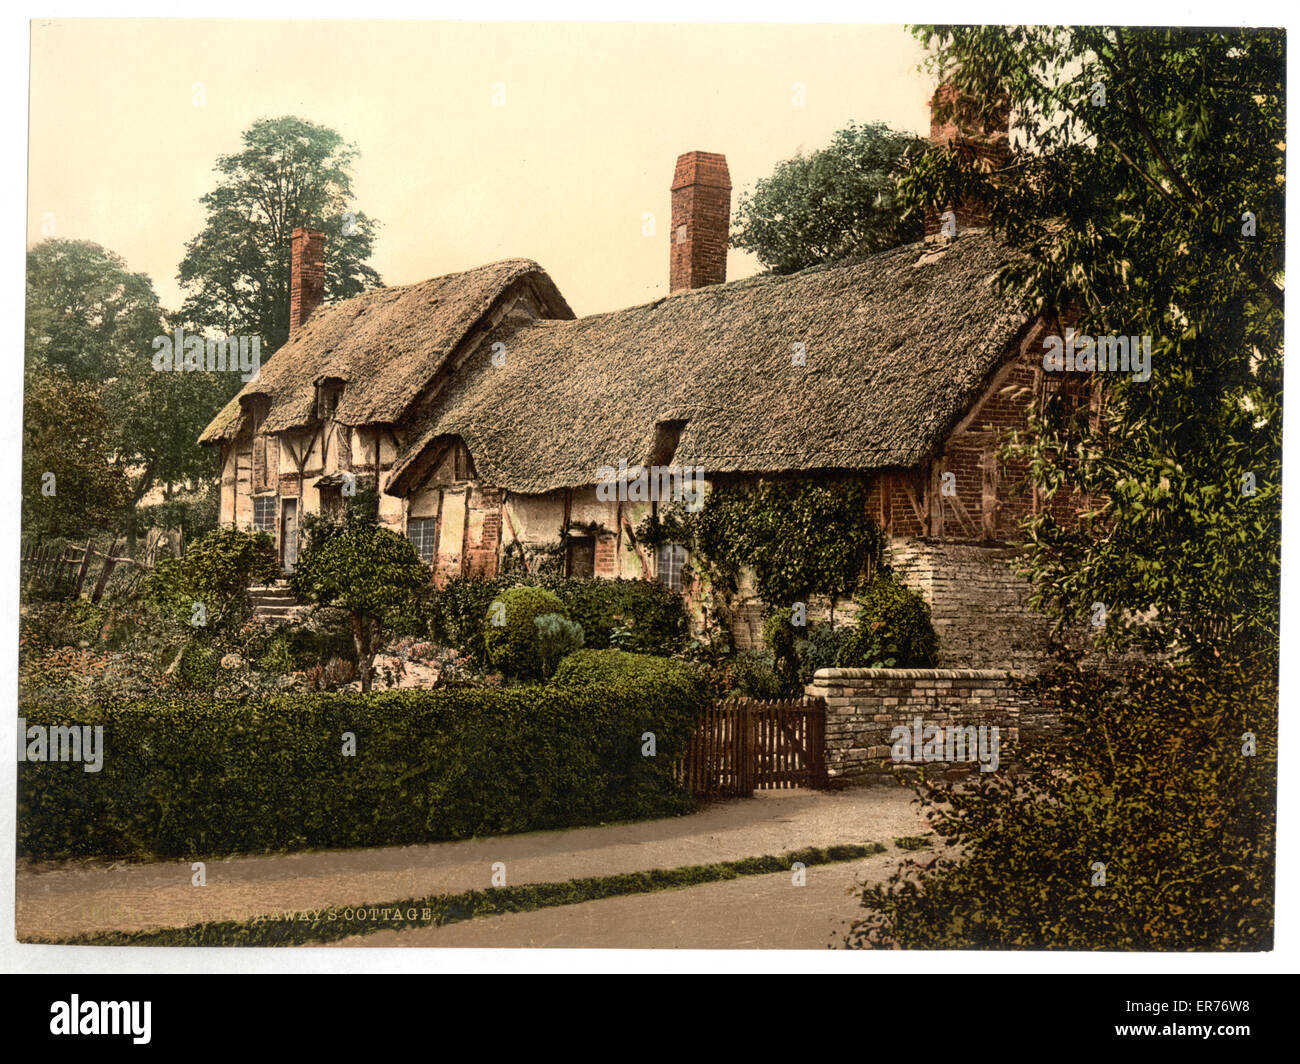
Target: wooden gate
[743, 745]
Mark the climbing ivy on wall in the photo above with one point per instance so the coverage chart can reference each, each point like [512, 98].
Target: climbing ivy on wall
[799, 537]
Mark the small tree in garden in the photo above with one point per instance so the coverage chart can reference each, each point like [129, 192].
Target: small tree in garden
[368, 571]
[214, 574]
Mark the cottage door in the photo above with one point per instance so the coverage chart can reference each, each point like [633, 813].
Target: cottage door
[289, 535]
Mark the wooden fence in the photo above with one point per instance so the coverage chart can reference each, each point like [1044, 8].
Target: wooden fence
[743, 745]
[63, 571]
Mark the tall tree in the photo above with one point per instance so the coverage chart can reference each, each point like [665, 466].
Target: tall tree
[1146, 188]
[235, 272]
[69, 487]
[835, 203]
[89, 345]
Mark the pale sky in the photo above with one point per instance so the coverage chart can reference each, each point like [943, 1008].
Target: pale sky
[594, 118]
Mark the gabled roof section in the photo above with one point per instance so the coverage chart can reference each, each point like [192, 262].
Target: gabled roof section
[897, 346]
[386, 345]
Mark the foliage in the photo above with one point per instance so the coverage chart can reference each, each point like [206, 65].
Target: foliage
[833, 204]
[89, 338]
[825, 646]
[428, 765]
[368, 571]
[1144, 158]
[216, 571]
[1153, 783]
[513, 645]
[799, 537]
[290, 173]
[200, 665]
[754, 674]
[556, 637]
[618, 668]
[893, 629]
[642, 616]
[798, 652]
[194, 513]
[781, 638]
[67, 432]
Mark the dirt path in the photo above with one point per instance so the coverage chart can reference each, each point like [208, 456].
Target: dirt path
[57, 901]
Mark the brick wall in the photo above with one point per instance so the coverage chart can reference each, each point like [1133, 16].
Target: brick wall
[483, 532]
[701, 216]
[606, 561]
[977, 130]
[864, 706]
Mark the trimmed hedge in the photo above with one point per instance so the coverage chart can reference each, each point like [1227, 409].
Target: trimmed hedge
[618, 668]
[642, 616]
[194, 778]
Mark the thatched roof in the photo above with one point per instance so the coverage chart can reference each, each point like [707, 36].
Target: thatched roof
[898, 346]
[386, 345]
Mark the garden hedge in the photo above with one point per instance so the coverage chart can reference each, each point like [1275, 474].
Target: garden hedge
[193, 778]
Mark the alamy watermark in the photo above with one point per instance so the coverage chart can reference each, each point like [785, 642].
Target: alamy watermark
[181, 353]
[62, 743]
[683, 484]
[923, 742]
[1081, 353]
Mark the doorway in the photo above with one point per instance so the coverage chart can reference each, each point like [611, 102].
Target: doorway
[288, 534]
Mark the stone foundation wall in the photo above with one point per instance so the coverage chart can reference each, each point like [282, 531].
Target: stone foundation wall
[864, 706]
[977, 603]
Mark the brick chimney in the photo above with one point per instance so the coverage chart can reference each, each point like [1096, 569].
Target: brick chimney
[980, 130]
[697, 253]
[306, 277]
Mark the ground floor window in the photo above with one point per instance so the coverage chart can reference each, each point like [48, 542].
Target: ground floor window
[264, 513]
[672, 562]
[423, 533]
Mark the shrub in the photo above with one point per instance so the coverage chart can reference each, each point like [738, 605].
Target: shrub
[324, 634]
[642, 616]
[216, 571]
[825, 647]
[754, 675]
[556, 637]
[782, 638]
[512, 646]
[185, 778]
[1154, 782]
[460, 613]
[893, 629]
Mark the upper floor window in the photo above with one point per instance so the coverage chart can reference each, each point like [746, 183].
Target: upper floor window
[328, 393]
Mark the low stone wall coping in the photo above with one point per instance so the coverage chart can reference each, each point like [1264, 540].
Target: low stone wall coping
[823, 676]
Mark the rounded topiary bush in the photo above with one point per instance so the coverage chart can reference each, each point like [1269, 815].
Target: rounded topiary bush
[893, 631]
[199, 665]
[511, 635]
